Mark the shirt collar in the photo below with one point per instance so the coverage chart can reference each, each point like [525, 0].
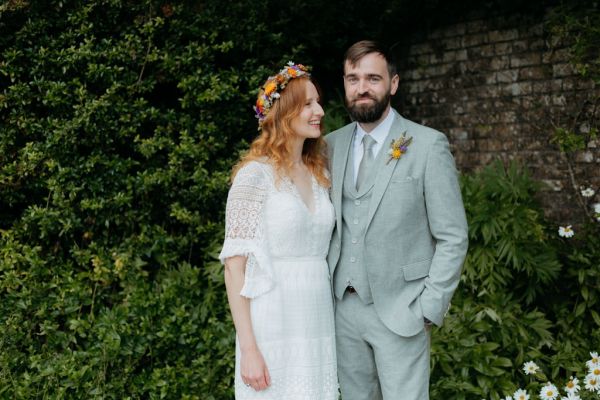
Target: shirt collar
[380, 132]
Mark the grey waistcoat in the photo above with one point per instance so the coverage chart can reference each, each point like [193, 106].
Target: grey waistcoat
[350, 270]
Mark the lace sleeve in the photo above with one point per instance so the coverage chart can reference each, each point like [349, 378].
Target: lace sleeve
[244, 228]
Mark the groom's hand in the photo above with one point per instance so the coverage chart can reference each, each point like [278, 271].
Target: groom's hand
[428, 324]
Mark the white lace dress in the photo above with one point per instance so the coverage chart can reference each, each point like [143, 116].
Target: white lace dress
[287, 280]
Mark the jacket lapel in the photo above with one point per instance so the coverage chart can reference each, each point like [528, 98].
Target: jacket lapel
[340, 157]
[385, 168]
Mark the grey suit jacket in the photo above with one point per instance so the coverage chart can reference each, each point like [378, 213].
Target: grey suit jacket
[416, 236]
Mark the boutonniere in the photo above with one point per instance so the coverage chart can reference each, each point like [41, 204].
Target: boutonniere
[398, 147]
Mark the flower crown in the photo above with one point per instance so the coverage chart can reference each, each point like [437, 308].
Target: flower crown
[273, 86]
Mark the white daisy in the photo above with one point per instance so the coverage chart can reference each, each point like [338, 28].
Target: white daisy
[572, 385]
[565, 231]
[549, 392]
[571, 396]
[588, 192]
[597, 208]
[530, 368]
[521, 395]
[592, 383]
[594, 370]
[508, 398]
[593, 362]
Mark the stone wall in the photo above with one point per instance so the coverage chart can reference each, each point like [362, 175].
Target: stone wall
[498, 87]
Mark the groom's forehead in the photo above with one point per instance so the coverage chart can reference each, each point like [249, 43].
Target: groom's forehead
[370, 64]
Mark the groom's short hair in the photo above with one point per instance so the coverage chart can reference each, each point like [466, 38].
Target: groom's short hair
[360, 49]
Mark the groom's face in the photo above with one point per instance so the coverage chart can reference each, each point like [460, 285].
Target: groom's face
[368, 87]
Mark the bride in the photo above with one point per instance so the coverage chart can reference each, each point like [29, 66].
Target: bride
[278, 225]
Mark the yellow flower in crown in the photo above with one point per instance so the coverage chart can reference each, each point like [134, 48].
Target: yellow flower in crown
[273, 86]
[270, 87]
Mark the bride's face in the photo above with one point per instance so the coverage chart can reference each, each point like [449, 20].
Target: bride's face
[307, 124]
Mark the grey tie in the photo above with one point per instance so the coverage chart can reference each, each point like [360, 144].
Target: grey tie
[367, 160]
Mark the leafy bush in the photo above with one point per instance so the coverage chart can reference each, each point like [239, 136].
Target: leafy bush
[513, 305]
[120, 124]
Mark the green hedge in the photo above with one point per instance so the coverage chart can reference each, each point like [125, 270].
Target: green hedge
[120, 122]
[525, 294]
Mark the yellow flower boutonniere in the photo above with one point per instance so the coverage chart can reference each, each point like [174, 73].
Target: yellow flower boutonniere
[398, 147]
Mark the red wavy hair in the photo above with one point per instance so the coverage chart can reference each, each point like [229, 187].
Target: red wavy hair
[275, 139]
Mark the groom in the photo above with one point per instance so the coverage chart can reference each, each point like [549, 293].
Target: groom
[400, 236]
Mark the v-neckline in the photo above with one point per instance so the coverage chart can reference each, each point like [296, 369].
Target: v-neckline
[313, 195]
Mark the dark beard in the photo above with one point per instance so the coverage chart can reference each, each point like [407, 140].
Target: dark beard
[368, 114]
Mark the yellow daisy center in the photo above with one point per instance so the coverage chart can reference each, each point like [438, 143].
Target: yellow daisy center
[396, 153]
[597, 371]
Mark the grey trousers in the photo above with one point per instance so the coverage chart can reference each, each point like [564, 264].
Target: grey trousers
[375, 363]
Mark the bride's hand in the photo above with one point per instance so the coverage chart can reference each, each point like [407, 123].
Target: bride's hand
[254, 370]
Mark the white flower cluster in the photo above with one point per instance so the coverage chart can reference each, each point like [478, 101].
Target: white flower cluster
[588, 192]
[597, 211]
[549, 391]
[566, 231]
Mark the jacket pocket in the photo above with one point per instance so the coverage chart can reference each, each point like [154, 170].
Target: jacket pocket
[404, 180]
[416, 270]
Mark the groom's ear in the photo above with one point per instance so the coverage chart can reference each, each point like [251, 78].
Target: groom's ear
[394, 84]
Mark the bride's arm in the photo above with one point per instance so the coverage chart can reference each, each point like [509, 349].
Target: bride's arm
[254, 370]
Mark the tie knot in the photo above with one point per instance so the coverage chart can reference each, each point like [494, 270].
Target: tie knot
[368, 142]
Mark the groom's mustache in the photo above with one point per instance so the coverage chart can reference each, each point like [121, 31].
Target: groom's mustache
[366, 96]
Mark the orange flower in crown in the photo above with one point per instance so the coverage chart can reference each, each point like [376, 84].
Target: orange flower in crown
[272, 88]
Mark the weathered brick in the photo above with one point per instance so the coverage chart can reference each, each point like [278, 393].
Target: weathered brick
[449, 56]
[584, 157]
[452, 43]
[517, 89]
[503, 35]
[462, 55]
[586, 84]
[559, 100]
[520, 46]
[569, 83]
[532, 73]
[499, 63]
[537, 44]
[526, 59]
[436, 58]
[560, 70]
[555, 185]
[502, 48]
[556, 85]
[491, 78]
[482, 131]
[507, 76]
[475, 40]
[556, 56]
